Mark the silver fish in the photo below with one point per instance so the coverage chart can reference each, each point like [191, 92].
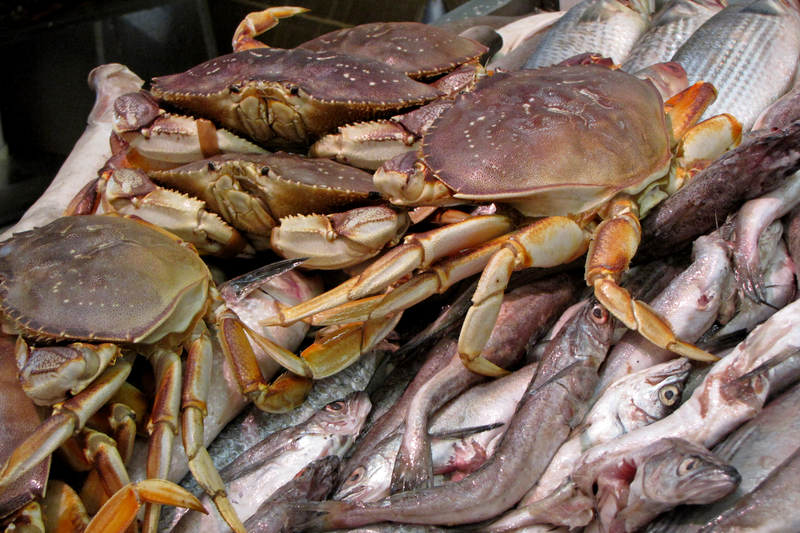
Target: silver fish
[486, 404]
[730, 394]
[669, 29]
[668, 473]
[256, 474]
[607, 27]
[633, 401]
[755, 449]
[553, 403]
[749, 52]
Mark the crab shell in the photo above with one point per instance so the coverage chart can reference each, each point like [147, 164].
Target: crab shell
[420, 50]
[288, 184]
[551, 141]
[101, 278]
[289, 97]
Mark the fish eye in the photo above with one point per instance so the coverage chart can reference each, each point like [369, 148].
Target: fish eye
[687, 465]
[599, 314]
[335, 406]
[669, 395]
[355, 477]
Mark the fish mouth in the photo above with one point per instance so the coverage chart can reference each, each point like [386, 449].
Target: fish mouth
[714, 483]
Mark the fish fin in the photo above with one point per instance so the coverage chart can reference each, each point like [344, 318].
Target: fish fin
[413, 469]
[772, 9]
[327, 517]
[461, 433]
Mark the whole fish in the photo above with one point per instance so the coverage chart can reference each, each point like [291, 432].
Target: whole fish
[755, 449]
[749, 52]
[607, 27]
[487, 404]
[554, 402]
[520, 319]
[669, 29]
[256, 474]
[733, 391]
[633, 401]
[279, 513]
[627, 490]
[668, 473]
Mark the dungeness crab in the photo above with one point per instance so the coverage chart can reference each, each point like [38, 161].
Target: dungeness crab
[585, 147]
[114, 287]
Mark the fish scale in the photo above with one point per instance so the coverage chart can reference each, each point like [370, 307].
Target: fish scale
[607, 27]
[749, 52]
[670, 28]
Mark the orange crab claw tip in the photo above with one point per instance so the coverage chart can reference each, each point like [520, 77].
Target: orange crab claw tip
[167, 493]
[692, 352]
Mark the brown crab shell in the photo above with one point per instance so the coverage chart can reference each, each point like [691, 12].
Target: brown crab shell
[288, 184]
[326, 89]
[420, 50]
[551, 141]
[101, 278]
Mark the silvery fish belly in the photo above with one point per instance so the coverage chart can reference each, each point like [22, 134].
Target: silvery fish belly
[749, 52]
[607, 27]
[669, 29]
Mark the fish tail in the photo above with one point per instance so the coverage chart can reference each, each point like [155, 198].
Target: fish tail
[331, 515]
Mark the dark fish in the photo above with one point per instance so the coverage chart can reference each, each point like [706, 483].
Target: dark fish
[554, 403]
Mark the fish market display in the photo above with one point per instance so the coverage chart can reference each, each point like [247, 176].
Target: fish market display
[494, 199]
[669, 29]
[607, 27]
[749, 51]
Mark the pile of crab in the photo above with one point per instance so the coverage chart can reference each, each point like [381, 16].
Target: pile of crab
[493, 172]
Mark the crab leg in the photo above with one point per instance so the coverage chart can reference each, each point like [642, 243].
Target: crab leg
[257, 23]
[548, 242]
[68, 417]
[94, 449]
[418, 251]
[194, 410]
[120, 510]
[163, 424]
[614, 245]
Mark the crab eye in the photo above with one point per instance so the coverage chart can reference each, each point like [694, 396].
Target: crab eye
[264, 171]
[599, 314]
[234, 89]
[294, 90]
[335, 406]
[669, 395]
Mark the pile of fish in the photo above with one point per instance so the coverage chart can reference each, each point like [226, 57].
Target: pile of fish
[595, 429]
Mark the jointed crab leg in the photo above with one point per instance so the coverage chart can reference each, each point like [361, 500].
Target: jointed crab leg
[120, 510]
[614, 245]
[194, 410]
[257, 23]
[68, 417]
[548, 242]
[418, 251]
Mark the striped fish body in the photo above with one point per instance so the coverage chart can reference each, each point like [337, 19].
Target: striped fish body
[607, 27]
[749, 52]
[669, 29]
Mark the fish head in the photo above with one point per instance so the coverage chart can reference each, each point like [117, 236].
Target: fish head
[344, 417]
[653, 393]
[685, 473]
[371, 479]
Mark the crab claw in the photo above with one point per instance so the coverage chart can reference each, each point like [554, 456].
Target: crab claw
[120, 510]
[257, 23]
[641, 317]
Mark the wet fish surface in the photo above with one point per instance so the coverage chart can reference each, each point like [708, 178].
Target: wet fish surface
[749, 52]
[554, 402]
[670, 28]
[260, 471]
[607, 27]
